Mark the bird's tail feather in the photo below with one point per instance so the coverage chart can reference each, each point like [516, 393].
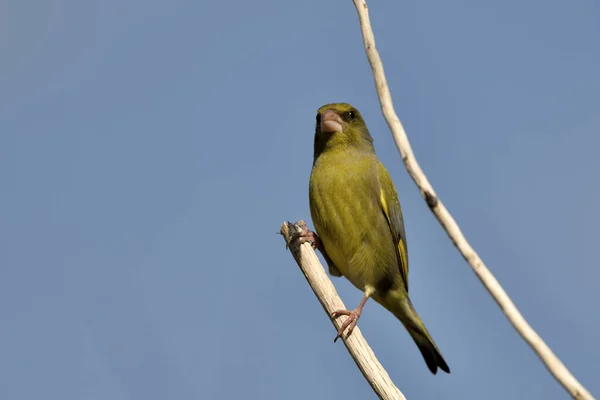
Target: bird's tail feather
[403, 309]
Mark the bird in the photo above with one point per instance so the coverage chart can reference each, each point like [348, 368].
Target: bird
[357, 216]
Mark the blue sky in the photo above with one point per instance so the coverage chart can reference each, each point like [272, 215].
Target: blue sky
[149, 151]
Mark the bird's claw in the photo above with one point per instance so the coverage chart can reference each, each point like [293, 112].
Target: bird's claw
[305, 235]
[349, 323]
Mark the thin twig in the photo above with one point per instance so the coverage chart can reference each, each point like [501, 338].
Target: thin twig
[356, 344]
[554, 365]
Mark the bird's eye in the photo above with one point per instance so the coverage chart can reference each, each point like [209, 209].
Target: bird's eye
[351, 115]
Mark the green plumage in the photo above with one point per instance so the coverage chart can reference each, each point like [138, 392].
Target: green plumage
[357, 215]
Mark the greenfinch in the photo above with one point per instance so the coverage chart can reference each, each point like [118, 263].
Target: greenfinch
[358, 220]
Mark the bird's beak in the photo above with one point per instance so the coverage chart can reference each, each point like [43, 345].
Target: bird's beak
[331, 122]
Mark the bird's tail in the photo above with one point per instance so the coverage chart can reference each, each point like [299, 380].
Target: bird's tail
[403, 309]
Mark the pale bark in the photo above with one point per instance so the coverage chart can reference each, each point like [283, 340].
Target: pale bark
[356, 344]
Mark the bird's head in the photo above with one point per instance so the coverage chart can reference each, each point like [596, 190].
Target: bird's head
[338, 126]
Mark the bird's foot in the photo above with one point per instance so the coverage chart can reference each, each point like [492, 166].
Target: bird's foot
[349, 323]
[306, 235]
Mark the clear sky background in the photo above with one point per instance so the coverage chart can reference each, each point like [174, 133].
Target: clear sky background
[149, 151]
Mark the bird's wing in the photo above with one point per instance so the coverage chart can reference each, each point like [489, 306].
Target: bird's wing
[391, 209]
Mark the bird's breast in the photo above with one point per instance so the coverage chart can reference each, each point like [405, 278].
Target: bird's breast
[348, 218]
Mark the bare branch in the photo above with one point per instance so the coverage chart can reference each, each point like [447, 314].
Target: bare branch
[321, 284]
[554, 365]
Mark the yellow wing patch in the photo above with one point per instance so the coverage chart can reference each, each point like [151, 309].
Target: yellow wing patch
[384, 203]
[401, 254]
[403, 258]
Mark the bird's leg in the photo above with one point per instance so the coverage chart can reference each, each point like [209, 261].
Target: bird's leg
[306, 235]
[352, 319]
